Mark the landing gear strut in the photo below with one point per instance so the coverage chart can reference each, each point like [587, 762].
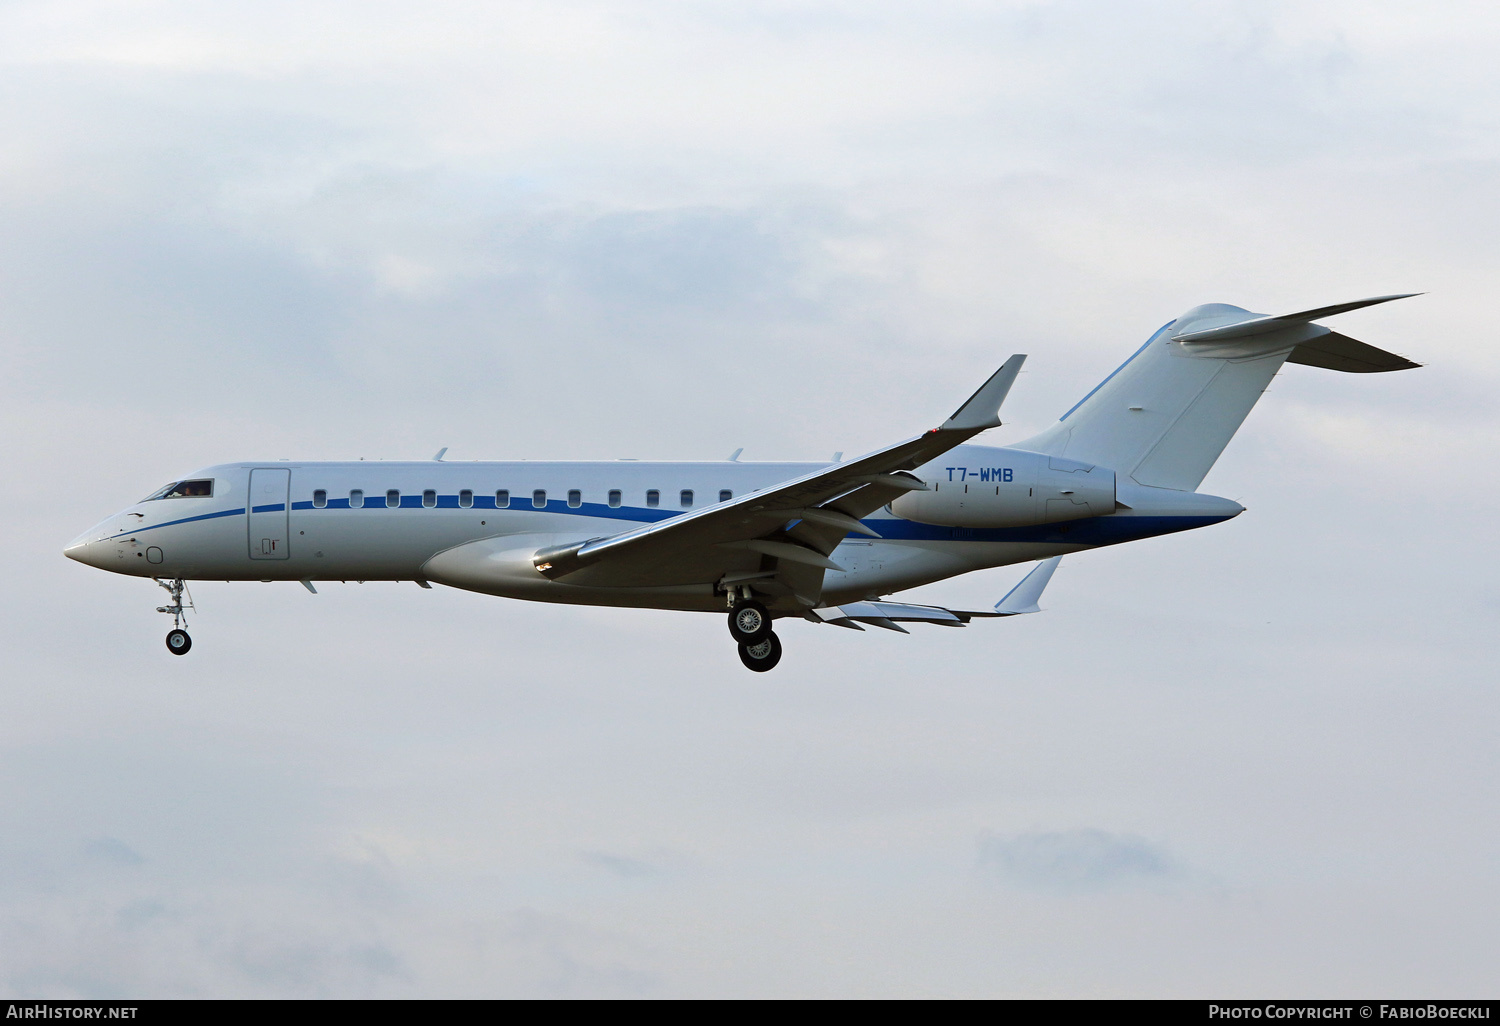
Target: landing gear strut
[178, 641]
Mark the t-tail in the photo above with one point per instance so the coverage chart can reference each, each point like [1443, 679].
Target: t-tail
[1164, 416]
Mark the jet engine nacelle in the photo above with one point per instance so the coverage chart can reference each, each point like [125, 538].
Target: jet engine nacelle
[1013, 488]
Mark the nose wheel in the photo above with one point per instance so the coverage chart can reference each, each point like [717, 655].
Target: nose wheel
[178, 641]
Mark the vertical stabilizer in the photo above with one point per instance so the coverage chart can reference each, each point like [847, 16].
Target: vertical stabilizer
[1164, 416]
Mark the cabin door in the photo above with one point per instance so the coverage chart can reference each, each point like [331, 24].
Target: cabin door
[267, 509]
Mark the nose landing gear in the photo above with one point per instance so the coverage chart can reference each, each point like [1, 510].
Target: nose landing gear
[178, 641]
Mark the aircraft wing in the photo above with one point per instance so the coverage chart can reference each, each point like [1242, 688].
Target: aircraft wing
[775, 540]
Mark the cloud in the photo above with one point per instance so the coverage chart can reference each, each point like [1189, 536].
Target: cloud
[111, 851]
[1076, 860]
[301, 933]
[619, 865]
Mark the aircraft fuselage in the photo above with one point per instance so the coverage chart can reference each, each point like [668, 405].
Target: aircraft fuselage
[402, 521]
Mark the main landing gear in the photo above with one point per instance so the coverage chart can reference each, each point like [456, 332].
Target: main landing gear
[750, 626]
[178, 641]
[749, 622]
[761, 655]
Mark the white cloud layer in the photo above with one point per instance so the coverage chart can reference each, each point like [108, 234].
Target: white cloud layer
[1253, 759]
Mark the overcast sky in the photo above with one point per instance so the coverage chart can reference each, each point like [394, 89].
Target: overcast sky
[1258, 759]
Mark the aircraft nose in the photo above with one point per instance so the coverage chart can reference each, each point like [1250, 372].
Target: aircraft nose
[78, 549]
[86, 549]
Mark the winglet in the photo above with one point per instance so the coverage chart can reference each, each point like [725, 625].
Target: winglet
[982, 410]
[1023, 597]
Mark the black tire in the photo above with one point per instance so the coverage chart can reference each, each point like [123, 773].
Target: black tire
[761, 655]
[749, 622]
[178, 642]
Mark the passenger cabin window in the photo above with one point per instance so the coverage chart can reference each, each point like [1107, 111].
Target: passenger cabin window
[614, 497]
[392, 498]
[725, 495]
[502, 499]
[465, 499]
[653, 498]
[539, 498]
[320, 498]
[575, 498]
[356, 498]
[686, 497]
[429, 498]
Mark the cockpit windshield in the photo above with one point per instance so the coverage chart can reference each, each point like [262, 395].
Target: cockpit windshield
[184, 490]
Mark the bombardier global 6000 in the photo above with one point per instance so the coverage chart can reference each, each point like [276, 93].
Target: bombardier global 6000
[826, 543]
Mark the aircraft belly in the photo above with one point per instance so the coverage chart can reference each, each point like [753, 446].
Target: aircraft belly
[696, 566]
[503, 566]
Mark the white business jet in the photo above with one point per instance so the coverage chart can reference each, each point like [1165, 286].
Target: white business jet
[822, 542]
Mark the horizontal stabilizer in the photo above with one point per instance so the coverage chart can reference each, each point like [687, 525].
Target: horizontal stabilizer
[1261, 324]
[1342, 353]
[1024, 596]
[887, 615]
[890, 615]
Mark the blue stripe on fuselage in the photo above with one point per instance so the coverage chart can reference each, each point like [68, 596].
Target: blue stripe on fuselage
[1091, 531]
[184, 520]
[522, 505]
